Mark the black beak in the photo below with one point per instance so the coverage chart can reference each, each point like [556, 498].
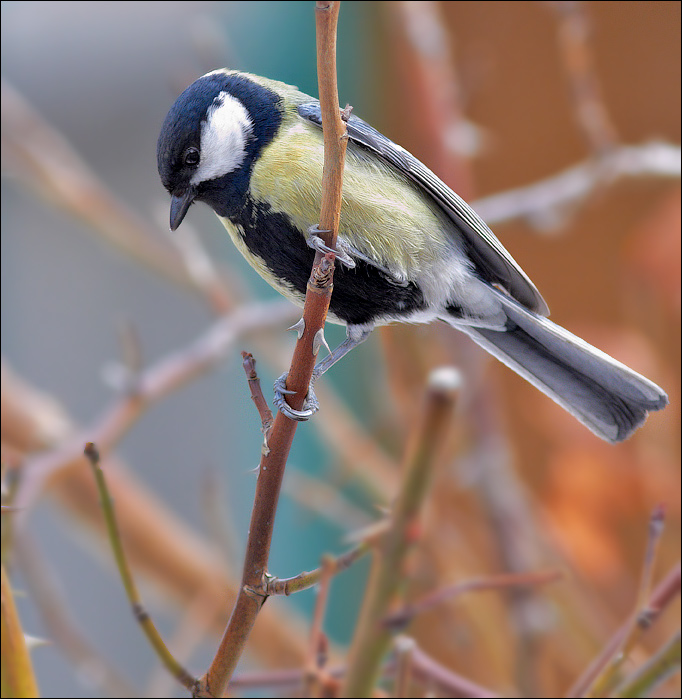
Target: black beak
[180, 203]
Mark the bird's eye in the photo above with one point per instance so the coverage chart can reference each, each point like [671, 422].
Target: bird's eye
[191, 157]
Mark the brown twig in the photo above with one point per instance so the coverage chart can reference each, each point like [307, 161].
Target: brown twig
[638, 621]
[266, 418]
[372, 638]
[430, 671]
[176, 560]
[542, 202]
[574, 30]
[664, 593]
[494, 582]
[44, 160]
[251, 595]
[150, 386]
[318, 645]
[429, 68]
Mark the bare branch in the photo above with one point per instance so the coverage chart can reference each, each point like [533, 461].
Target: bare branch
[273, 460]
[574, 29]
[141, 615]
[543, 202]
[264, 411]
[304, 581]
[494, 582]
[152, 385]
[372, 638]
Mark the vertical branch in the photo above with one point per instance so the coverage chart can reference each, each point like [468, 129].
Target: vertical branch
[334, 132]
[574, 30]
[253, 589]
[373, 635]
[334, 128]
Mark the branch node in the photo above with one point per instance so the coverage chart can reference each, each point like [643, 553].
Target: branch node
[258, 593]
[321, 276]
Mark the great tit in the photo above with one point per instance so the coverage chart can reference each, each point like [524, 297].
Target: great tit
[411, 249]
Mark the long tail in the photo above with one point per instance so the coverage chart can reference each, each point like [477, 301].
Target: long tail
[605, 395]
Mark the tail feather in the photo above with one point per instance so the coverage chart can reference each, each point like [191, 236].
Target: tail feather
[605, 395]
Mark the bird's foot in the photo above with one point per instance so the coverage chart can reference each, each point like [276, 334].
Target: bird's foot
[310, 404]
[316, 243]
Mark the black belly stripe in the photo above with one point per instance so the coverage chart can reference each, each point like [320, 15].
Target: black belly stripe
[361, 295]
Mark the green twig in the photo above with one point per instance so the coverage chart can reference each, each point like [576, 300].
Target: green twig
[654, 672]
[373, 637]
[304, 581]
[143, 618]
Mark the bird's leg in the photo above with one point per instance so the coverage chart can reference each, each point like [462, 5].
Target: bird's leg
[315, 242]
[355, 334]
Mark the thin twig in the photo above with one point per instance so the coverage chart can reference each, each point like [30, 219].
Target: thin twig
[273, 460]
[162, 548]
[194, 627]
[639, 620]
[542, 203]
[141, 615]
[318, 646]
[34, 151]
[430, 671]
[155, 383]
[304, 581]
[424, 669]
[664, 663]
[266, 418]
[494, 582]
[664, 593]
[574, 29]
[372, 638]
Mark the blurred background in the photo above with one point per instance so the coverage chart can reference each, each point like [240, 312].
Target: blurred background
[494, 97]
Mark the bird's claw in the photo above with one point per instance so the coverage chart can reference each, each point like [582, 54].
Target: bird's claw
[316, 243]
[310, 405]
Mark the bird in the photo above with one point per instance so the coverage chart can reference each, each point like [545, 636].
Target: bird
[410, 249]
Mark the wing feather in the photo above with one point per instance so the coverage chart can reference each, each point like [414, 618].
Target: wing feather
[491, 259]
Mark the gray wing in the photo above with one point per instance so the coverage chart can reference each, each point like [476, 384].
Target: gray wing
[492, 262]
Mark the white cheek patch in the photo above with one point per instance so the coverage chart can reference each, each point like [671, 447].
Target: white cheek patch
[224, 136]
